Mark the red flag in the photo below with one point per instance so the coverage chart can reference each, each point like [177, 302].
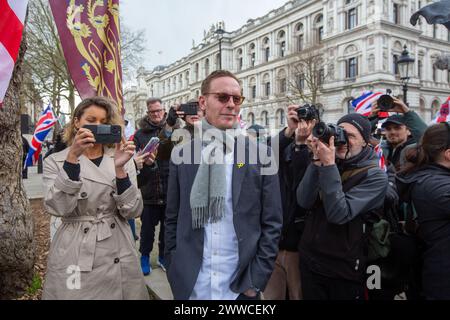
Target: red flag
[12, 16]
[89, 31]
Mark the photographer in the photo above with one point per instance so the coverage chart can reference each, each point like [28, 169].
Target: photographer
[294, 159]
[191, 120]
[402, 130]
[93, 188]
[340, 189]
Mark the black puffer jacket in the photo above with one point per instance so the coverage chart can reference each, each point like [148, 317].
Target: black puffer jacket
[152, 180]
[429, 189]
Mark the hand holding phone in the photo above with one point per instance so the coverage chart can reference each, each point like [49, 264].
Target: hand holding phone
[151, 146]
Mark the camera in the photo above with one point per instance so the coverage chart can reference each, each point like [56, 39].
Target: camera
[189, 109]
[324, 132]
[307, 112]
[386, 102]
[106, 134]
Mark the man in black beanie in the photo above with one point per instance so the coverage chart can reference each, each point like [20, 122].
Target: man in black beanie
[342, 189]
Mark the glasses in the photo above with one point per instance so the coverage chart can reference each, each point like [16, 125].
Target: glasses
[155, 111]
[225, 97]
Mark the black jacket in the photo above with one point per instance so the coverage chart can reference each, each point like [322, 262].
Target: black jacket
[292, 166]
[429, 191]
[152, 180]
[334, 241]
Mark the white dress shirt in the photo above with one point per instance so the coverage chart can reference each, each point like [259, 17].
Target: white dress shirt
[220, 252]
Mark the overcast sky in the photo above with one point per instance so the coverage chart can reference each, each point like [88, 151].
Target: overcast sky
[170, 25]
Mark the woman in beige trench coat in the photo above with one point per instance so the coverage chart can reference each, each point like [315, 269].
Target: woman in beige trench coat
[93, 189]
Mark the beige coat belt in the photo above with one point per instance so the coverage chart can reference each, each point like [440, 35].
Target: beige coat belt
[99, 231]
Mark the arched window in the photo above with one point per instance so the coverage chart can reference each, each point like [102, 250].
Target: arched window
[266, 85]
[281, 117]
[252, 88]
[265, 118]
[282, 83]
[206, 67]
[196, 72]
[187, 79]
[299, 36]
[266, 49]
[252, 53]
[435, 107]
[318, 27]
[251, 118]
[281, 39]
[239, 60]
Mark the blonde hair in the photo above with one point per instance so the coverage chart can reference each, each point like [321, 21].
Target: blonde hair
[112, 115]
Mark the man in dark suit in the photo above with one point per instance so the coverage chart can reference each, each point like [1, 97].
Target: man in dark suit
[223, 220]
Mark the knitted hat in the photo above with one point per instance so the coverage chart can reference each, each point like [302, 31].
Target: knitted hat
[359, 122]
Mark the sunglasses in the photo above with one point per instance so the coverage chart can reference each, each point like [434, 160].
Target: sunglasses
[225, 97]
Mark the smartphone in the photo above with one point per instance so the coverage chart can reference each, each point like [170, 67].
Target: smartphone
[151, 145]
[106, 133]
[189, 109]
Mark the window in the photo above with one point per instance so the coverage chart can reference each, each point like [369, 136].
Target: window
[196, 72]
[252, 55]
[395, 64]
[396, 13]
[300, 42]
[282, 48]
[266, 49]
[420, 67]
[239, 60]
[320, 34]
[267, 89]
[253, 89]
[352, 67]
[206, 68]
[434, 31]
[265, 118]
[251, 118]
[283, 85]
[434, 73]
[301, 81]
[321, 77]
[281, 117]
[351, 19]
[281, 43]
[318, 25]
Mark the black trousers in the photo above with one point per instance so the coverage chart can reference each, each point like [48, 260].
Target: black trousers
[318, 287]
[151, 216]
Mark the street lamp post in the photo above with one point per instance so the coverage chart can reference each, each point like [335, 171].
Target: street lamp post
[220, 31]
[405, 63]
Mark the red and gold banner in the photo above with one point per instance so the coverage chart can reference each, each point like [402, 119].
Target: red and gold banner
[89, 31]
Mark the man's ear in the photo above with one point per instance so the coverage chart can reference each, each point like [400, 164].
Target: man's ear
[202, 103]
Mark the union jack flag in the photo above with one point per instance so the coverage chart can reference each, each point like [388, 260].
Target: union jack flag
[443, 113]
[363, 104]
[45, 123]
[381, 159]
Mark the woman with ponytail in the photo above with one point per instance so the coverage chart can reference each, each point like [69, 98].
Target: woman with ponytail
[426, 182]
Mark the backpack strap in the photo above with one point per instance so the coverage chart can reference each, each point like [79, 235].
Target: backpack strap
[352, 178]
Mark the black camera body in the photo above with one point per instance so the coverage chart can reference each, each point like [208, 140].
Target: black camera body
[386, 102]
[106, 133]
[307, 112]
[324, 132]
[189, 109]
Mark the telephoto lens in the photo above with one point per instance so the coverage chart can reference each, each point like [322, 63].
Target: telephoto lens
[324, 132]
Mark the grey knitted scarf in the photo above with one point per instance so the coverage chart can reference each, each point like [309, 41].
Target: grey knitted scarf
[209, 189]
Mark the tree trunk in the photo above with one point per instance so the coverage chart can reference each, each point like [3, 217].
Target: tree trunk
[16, 221]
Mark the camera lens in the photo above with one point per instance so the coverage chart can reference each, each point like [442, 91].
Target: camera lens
[386, 102]
[321, 131]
